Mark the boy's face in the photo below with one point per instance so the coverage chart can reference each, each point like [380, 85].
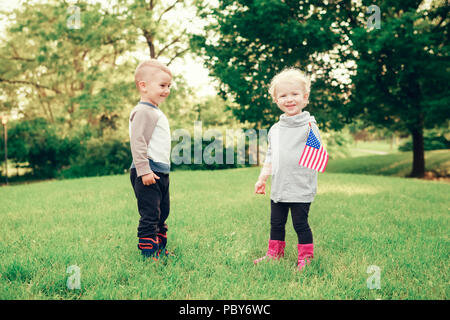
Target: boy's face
[290, 98]
[155, 86]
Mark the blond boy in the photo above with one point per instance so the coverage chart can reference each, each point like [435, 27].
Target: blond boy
[150, 142]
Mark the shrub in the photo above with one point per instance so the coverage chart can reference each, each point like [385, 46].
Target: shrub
[431, 141]
[99, 157]
[38, 143]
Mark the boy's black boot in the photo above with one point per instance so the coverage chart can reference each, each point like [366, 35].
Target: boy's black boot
[149, 248]
[162, 241]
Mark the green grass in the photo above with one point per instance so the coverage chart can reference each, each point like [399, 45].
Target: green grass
[365, 148]
[394, 164]
[217, 226]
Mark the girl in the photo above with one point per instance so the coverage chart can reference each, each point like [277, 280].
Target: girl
[293, 186]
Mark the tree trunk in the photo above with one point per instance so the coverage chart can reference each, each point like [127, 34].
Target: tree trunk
[418, 170]
[149, 38]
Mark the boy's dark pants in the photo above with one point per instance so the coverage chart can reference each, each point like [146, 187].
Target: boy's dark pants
[153, 204]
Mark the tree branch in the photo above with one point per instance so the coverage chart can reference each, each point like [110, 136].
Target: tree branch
[49, 108]
[149, 39]
[178, 54]
[171, 43]
[17, 58]
[36, 85]
[167, 10]
[16, 55]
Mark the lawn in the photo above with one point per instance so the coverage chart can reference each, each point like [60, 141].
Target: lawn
[393, 164]
[364, 148]
[217, 227]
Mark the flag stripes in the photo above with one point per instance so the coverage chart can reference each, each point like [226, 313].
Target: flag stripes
[314, 155]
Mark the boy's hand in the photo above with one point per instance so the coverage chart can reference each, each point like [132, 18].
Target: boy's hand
[149, 179]
[260, 187]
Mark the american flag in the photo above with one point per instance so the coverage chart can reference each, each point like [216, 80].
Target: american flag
[314, 155]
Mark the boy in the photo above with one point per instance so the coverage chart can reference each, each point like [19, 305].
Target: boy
[150, 142]
[293, 186]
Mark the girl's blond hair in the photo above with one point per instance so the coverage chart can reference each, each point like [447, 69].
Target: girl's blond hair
[291, 75]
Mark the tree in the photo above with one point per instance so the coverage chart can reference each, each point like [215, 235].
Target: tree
[69, 76]
[83, 75]
[38, 144]
[394, 77]
[165, 38]
[402, 75]
[75, 68]
[248, 41]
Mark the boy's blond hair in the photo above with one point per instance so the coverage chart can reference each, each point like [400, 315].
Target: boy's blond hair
[291, 75]
[144, 67]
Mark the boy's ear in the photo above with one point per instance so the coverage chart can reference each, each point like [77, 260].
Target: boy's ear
[141, 85]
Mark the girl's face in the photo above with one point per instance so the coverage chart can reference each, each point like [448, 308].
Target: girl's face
[290, 98]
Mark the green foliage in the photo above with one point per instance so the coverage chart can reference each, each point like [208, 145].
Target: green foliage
[402, 75]
[401, 79]
[396, 77]
[39, 144]
[215, 112]
[336, 143]
[245, 43]
[99, 157]
[165, 38]
[431, 141]
[67, 76]
[80, 80]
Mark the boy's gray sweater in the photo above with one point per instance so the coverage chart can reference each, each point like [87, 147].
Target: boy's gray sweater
[287, 138]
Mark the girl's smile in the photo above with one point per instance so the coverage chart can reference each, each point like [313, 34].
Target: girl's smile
[290, 97]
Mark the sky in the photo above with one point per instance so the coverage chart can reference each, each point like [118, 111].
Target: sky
[190, 67]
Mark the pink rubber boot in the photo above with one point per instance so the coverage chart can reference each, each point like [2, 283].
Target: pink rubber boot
[275, 251]
[305, 254]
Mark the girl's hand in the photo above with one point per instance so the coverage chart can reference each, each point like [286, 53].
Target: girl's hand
[260, 187]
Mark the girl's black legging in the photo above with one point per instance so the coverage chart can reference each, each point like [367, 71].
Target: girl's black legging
[278, 217]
